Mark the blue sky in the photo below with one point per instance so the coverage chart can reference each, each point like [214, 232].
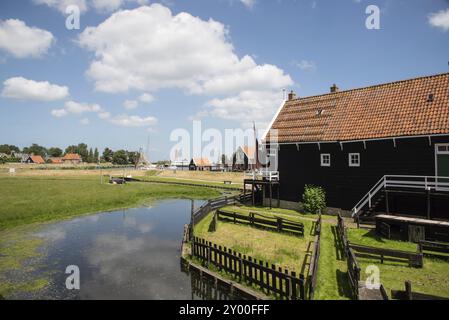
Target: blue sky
[224, 62]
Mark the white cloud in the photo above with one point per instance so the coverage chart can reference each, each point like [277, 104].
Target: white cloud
[440, 19]
[61, 5]
[58, 113]
[306, 65]
[104, 115]
[248, 106]
[133, 121]
[24, 89]
[248, 3]
[85, 121]
[84, 5]
[22, 41]
[146, 98]
[112, 5]
[175, 51]
[79, 108]
[130, 104]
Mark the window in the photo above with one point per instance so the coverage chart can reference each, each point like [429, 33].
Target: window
[325, 160]
[354, 159]
[442, 148]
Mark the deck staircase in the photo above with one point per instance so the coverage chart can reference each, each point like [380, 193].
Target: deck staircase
[365, 209]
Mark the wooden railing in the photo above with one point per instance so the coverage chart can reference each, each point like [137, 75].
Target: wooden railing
[214, 204]
[403, 182]
[313, 267]
[270, 279]
[414, 259]
[261, 221]
[438, 247]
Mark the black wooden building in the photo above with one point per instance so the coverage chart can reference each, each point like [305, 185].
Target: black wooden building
[383, 148]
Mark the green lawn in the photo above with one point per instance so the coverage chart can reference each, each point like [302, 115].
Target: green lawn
[284, 250]
[37, 199]
[432, 279]
[152, 177]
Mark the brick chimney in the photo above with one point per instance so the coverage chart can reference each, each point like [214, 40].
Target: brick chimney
[291, 96]
[334, 88]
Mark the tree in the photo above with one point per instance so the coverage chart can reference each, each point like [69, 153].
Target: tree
[71, 149]
[120, 157]
[107, 155]
[8, 148]
[35, 149]
[90, 157]
[133, 157]
[96, 155]
[55, 152]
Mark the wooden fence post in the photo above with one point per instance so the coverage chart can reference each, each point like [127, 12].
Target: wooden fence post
[408, 290]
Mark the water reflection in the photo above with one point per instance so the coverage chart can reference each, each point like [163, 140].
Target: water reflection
[132, 254]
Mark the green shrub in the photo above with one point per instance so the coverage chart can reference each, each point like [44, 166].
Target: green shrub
[314, 199]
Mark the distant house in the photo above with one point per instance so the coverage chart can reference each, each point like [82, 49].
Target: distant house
[35, 160]
[56, 160]
[200, 164]
[243, 159]
[181, 164]
[72, 158]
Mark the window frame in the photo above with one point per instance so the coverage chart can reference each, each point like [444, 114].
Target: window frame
[322, 162]
[350, 163]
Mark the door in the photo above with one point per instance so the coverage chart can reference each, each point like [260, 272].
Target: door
[442, 166]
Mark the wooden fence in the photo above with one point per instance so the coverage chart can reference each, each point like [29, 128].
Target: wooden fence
[438, 247]
[261, 221]
[214, 204]
[408, 294]
[414, 259]
[313, 267]
[272, 280]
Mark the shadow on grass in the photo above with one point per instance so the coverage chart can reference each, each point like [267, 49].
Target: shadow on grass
[344, 290]
[373, 236]
[338, 244]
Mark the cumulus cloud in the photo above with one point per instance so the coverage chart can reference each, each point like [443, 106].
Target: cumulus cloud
[130, 104]
[72, 107]
[146, 98]
[22, 41]
[440, 19]
[133, 121]
[23, 89]
[84, 5]
[175, 51]
[61, 5]
[79, 108]
[306, 65]
[59, 113]
[248, 3]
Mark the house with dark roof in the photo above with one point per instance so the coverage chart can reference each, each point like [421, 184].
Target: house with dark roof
[243, 158]
[383, 148]
[200, 164]
[35, 160]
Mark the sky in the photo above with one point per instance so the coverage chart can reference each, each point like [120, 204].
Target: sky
[136, 70]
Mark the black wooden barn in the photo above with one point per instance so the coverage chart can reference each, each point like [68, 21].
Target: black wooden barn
[383, 148]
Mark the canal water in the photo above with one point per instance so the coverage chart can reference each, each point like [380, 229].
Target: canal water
[129, 254]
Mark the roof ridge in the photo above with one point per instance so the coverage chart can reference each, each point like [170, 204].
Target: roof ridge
[372, 86]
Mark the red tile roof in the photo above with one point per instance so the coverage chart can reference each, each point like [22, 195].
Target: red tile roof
[402, 108]
[72, 156]
[201, 162]
[37, 159]
[56, 160]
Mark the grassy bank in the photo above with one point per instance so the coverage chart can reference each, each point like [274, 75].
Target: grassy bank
[38, 199]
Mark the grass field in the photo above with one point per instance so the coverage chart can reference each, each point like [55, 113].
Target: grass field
[284, 250]
[432, 279]
[37, 199]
